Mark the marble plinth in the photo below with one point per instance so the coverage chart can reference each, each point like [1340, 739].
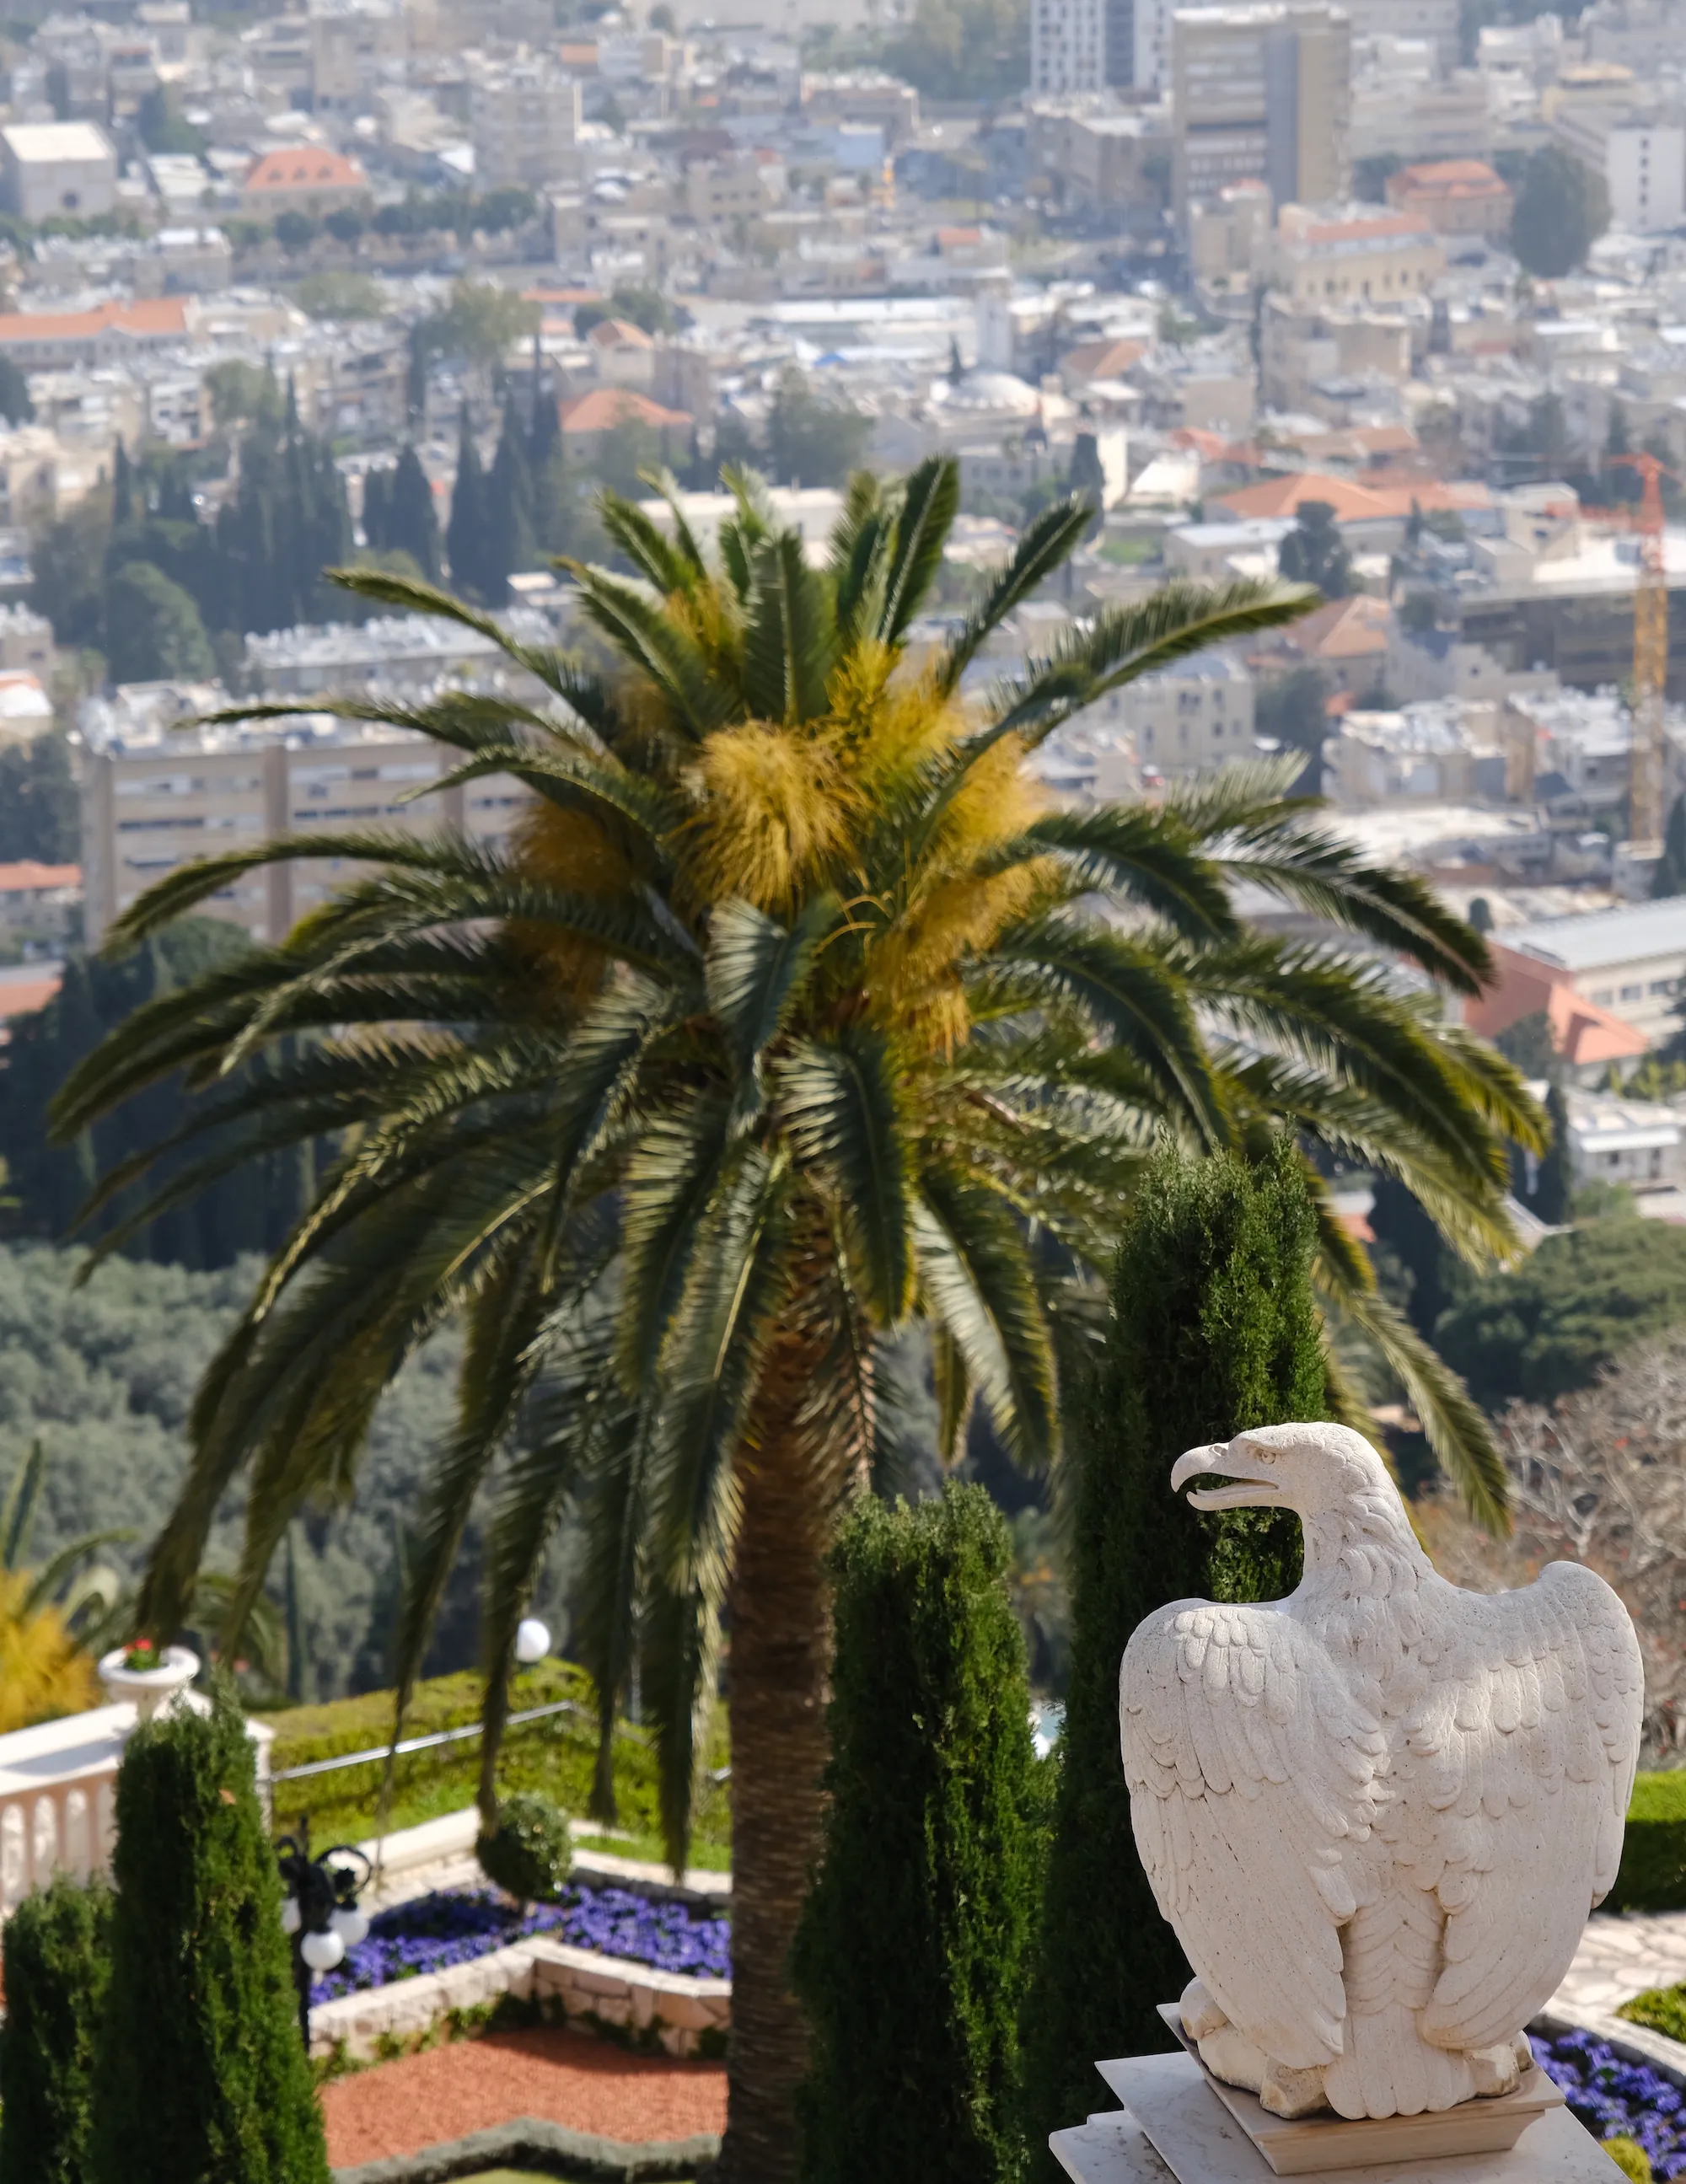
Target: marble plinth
[1312, 2145]
[1175, 2126]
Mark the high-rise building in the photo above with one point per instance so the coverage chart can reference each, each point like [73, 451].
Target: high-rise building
[1068, 42]
[1262, 93]
[1151, 41]
[1079, 46]
[524, 116]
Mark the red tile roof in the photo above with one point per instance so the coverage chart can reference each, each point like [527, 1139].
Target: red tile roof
[606, 407]
[27, 876]
[21, 997]
[1103, 360]
[618, 333]
[1459, 178]
[311, 167]
[1352, 502]
[159, 315]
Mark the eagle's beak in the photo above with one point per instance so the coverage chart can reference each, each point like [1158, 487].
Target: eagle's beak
[1226, 1460]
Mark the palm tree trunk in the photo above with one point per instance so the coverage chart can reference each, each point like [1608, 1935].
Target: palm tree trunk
[780, 1669]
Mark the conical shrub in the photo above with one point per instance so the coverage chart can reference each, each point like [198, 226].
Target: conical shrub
[1213, 1330]
[202, 2078]
[913, 1952]
[57, 1954]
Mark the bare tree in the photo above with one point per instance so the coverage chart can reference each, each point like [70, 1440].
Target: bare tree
[1599, 1478]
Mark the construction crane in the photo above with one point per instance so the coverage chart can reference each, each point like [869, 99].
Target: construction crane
[1651, 652]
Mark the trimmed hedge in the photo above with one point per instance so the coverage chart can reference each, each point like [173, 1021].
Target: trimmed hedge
[553, 1759]
[58, 1965]
[529, 1853]
[201, 2076]
[1213, 1330]
[1653, 1872]
[913, 1953]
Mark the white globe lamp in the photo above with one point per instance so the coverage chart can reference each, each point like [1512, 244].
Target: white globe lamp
[351, 1925]
[531, 1641]
[289, 1914]
[323, 1951]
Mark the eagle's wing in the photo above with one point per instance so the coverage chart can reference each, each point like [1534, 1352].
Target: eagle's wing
[1514, 1786]
[1251, 1768]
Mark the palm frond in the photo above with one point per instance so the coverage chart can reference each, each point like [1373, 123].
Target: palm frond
[1048, 540]
[1124, 643]
[929, 502]
[837, 1098]
[1143, 856]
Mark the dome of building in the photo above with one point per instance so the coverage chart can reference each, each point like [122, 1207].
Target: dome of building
[995, 393]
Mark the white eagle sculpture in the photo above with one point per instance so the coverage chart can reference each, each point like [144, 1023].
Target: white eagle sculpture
[1376, 1813]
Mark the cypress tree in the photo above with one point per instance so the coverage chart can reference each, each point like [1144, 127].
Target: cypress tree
[122, 489]
[1086, 478]
[376, 510]
[1551, 1183]
[201, 2076]
[413, 526]
[545, 428]
[58, 1966]
[1213, 1330]
[466, 532]
[511, 545]
[1670, 876]
[913, 1952]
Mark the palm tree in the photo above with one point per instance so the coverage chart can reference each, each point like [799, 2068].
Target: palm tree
[792, 1012]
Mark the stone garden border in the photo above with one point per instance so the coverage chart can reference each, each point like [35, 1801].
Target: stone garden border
[681, 2015]
[530, 2142]
[1634, 2044]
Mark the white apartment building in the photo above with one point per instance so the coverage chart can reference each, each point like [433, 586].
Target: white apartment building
[1068, 45]
[1195, 715]
[166, 799]
[1635, 1142]
[1151, 38]
[48, 167]
[524, 117]
[1631, 960]
[1642, 164]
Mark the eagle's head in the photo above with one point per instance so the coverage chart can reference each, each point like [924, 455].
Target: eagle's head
[1312, 1469]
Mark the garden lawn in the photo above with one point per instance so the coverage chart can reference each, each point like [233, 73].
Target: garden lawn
[556, 1756]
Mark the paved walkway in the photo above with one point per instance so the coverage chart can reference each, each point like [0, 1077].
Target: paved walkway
[1621, 1956]
[563, 2077]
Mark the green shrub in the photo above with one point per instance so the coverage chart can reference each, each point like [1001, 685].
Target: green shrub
[1213, 1330]
[530, 1850]
[913, 1955]
[1652, 1877]
[201, 2077]
[1573, 1305]
[1659, 2009]
[1630, 2157]
[57, 1954]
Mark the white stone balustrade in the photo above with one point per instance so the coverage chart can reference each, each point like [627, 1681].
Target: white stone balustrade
[58, 1796]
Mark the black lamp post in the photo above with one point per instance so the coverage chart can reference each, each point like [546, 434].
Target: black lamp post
[319, 1912]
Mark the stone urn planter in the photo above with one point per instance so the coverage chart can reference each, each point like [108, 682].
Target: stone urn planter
[147, 1690]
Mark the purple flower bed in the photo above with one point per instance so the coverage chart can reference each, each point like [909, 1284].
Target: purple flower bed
[457, 1924]
[1616, 2099]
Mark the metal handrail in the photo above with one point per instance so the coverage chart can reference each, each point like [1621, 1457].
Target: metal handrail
[437, 1737]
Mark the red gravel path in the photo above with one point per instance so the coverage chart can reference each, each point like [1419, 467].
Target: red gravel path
[567, 2077]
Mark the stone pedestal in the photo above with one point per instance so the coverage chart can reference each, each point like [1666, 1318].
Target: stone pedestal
[1177, 2128]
